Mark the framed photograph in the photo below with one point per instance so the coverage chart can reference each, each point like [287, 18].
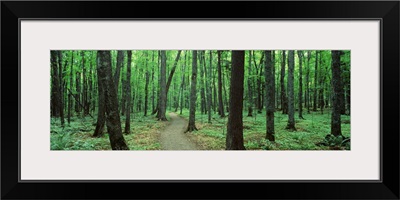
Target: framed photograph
[204, 96]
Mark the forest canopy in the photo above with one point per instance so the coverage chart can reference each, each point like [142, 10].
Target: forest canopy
[200, 99]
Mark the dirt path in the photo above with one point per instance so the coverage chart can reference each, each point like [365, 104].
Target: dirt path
[173, 137]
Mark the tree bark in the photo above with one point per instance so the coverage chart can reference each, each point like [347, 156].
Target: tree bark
[284, 103]
[193, 95]
[315, 82]
[300, 55]
[291, 122]
[270, 96]
[183, 84]
[208, 86]
[146, 90]
[70, 87]
[55, 89]
[336, 87]
[101, 111]
[111, 102]
[128, 94]
[163, 88]
[202, 91]
[249, 89]
[61, 91]
[307, 82]
[171, 75]
[220, 102]
[234, 136]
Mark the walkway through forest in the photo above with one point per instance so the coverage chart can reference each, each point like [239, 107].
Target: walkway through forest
[173, 137]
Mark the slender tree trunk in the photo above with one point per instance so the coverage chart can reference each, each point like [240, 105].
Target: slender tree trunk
[291, 122]
[234, 136]
[153, 86]
[249, 89]
[270, 96]
[111, 102]
[123, 96]
[208, 86]
[146, 90]
[78, 92]
[61, 92]
[171, 75]
[261, 88]
[128, 94]
[193, 95]
[226, 102]
[221, 104]
[300, 54]
[342, 93]
[183, 84]
[321, 85]
[120, 63]
[336, 85]
[202, 91]
[273, 81]
[101, 111]
[315, 82]
[163, 88]
[91, 84]
[307, 82]
[70, 87]
[55, 101]
[284, 103]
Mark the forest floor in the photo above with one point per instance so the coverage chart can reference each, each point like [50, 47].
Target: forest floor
[173, 136]
[149, 134]
[310, 131]
[145, 134]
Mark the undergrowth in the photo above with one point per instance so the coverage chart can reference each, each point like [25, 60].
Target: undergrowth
[78, 134]
[311, 131]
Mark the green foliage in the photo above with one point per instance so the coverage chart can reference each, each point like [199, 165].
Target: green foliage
[310, 131]
[78, 136]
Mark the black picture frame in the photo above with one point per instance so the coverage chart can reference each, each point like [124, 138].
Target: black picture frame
[386, 11]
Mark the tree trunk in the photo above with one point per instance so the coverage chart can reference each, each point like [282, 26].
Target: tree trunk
[153, 86]
[146, 90]
[321, 85]
[202, 91]
[61, 91]
[101, 111]
[183, 84]
[273, 81]
[315, 82]
[270, 96]
[55, 88]
[128, 94]
[300, 54]
[221, 104]
[284, 103]
[111, 102]
[234, 136]
[307, 82]
[85, 101]
[78, 92]
[171, 75]
[193, 95]
[336, 85]
[249, 89]
[163, 88]
[291, 122]
[120, 63]
[208, 86]
[70, 87]
[123, 96]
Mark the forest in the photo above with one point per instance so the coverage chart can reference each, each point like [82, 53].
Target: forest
[200, 99]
